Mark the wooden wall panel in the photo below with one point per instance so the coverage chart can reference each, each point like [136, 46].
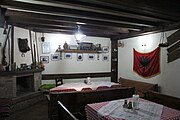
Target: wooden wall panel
[75, 75]
[174, 55]
[174, 37]
[174, 46]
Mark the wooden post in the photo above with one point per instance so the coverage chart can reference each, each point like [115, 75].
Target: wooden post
[12, 44]
[114, 60]
[32, 55]
[37, 47]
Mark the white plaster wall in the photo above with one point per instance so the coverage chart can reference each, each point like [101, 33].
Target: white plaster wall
[168, 79]
[72, 65]
[23, 34]
[65, 65]
[18, 59]
[2, 39]
[18, 33]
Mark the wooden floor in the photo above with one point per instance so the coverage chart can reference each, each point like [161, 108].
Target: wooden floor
[39, 111]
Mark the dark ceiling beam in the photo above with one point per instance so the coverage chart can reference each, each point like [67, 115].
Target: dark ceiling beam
[41, 23]
[76, 13]
[43, 26]
[83, 8]
[69, 32]
[70, 25]
[166, 27]
[55, 31]
[32, 26]
[69, 19]
[1, 18]
[165, 9]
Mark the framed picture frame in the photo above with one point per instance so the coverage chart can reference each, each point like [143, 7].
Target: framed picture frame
[55, 57]
[67, 55]
[44, 59]
[79, 56]
[105, 57]
[91, 56]
[105, 49]
[45, 47]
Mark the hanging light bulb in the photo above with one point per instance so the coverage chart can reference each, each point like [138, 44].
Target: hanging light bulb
[79, 35]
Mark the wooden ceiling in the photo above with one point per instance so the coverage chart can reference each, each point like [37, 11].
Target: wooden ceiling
[114, 19]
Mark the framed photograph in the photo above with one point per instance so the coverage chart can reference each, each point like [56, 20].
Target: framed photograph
[105, 49]
[79, 57]
[55, 57]
[44, 59]
[67, 55]
[45, 47]
[105, 57]
[91, 56]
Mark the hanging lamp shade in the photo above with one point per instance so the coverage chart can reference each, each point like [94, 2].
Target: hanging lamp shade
[79, 35]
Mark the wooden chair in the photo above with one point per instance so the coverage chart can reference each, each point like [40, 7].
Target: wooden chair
[86, 89]
[115, 86]
[76, 101]
[64, 113]
[5, 108]
[102, 87]
[63, 90]
[58, 81]
[48, 100]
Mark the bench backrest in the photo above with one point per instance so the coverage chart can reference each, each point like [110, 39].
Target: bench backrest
[140, 87]
[166, 100]
[76, 101]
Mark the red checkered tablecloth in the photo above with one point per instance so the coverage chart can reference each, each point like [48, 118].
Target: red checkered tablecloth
[92, 112]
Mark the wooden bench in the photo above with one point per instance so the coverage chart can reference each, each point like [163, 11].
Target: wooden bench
[76, 101]
[166, 100]
[5, 108]
[140, 87]
[64, 113]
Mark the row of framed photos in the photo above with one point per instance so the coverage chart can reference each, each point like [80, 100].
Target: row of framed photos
[57, 57]
[46, 48]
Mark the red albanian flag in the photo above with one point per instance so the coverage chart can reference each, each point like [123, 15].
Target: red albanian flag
[147, 64]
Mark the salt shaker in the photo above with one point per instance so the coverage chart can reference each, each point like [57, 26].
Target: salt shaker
[125, 104]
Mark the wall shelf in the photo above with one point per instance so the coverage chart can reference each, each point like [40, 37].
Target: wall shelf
[78, 51]
[20, 72]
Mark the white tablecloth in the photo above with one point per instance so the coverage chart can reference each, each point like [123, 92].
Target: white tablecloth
[147, 111]
[78, 86]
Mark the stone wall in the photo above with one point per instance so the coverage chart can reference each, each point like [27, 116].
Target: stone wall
[8, 86]
[37, 81]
